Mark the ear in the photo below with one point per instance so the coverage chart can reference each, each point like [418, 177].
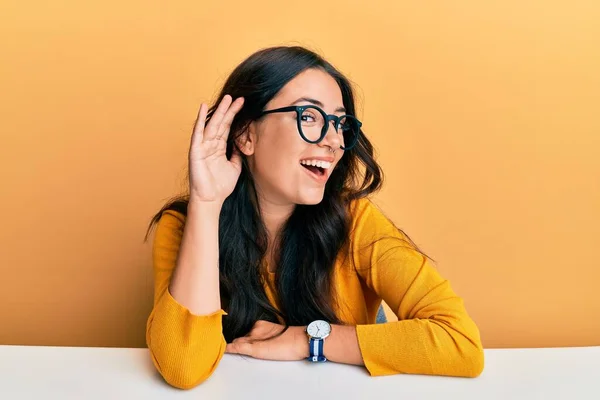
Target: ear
[246, 142]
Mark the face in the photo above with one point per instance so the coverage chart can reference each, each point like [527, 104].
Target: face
[281, 162]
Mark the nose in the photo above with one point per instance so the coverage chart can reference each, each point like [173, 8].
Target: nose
[332, 138]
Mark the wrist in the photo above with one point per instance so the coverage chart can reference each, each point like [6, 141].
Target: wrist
[301, 341]
[205, 208]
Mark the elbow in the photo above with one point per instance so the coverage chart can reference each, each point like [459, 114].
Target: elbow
[184, 365]
[467, 357]
[183, 356]
[180, 373]
[184, 380]
[473, 362]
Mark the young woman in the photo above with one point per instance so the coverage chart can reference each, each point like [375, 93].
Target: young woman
[277, 253]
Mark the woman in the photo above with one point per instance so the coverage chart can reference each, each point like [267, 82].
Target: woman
[276, 251]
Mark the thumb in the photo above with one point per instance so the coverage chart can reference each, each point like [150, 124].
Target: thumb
[230, 348]
[239, 347]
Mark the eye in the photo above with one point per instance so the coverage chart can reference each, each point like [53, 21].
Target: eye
[311, 117]
[307, 117]
[344, 125]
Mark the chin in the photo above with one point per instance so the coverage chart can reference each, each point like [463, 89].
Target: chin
[311, 199]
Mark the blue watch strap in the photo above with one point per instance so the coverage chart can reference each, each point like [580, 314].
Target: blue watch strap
[316, 350]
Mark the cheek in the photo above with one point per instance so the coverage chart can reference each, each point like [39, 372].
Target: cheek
[284, 135]
[278, 151]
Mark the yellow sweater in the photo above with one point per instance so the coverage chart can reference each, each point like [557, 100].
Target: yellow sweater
[433, 334]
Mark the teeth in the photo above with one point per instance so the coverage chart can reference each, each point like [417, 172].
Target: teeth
[317, 163]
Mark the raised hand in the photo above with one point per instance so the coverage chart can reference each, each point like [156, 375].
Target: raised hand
[212, 175]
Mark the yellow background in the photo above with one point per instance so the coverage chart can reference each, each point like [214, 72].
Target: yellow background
[485, 116]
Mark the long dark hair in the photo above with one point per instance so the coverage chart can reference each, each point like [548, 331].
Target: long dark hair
[313, 235]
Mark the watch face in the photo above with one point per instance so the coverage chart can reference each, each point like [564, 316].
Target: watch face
[319, 329]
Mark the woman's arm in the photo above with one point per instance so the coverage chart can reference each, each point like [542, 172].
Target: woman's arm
[438, 339]
[342, 345]
[434, 333]
[195, 283]
[184, 330]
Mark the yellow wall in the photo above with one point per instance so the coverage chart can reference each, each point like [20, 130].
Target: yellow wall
[485, 118]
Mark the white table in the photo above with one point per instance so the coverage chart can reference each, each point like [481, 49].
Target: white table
[31, 372]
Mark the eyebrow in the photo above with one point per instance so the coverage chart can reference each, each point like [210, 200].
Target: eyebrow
[318, 103]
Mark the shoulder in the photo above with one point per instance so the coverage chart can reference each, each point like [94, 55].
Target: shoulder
[364, 208]
[367, 216]
[369, 224]
[360, 206]
[380, 250]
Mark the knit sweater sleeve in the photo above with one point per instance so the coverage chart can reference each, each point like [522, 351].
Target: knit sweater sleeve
[185, 348]
[434, 334]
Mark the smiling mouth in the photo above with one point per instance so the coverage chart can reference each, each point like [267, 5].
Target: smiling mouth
[314, 169]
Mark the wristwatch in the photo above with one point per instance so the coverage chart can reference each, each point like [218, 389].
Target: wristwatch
[317, 331]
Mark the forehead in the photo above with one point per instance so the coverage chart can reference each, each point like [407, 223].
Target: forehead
[312, 83]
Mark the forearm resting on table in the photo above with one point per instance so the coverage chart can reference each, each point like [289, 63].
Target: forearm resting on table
[342, 345]
[429, 347]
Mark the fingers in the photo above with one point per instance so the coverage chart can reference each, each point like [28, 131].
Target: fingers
[235, 107]
[198, 132]
[212, 129]
[240, 346]
[252, 344]
[265, 329]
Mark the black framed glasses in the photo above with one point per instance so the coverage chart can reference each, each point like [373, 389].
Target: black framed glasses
[313, 124]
